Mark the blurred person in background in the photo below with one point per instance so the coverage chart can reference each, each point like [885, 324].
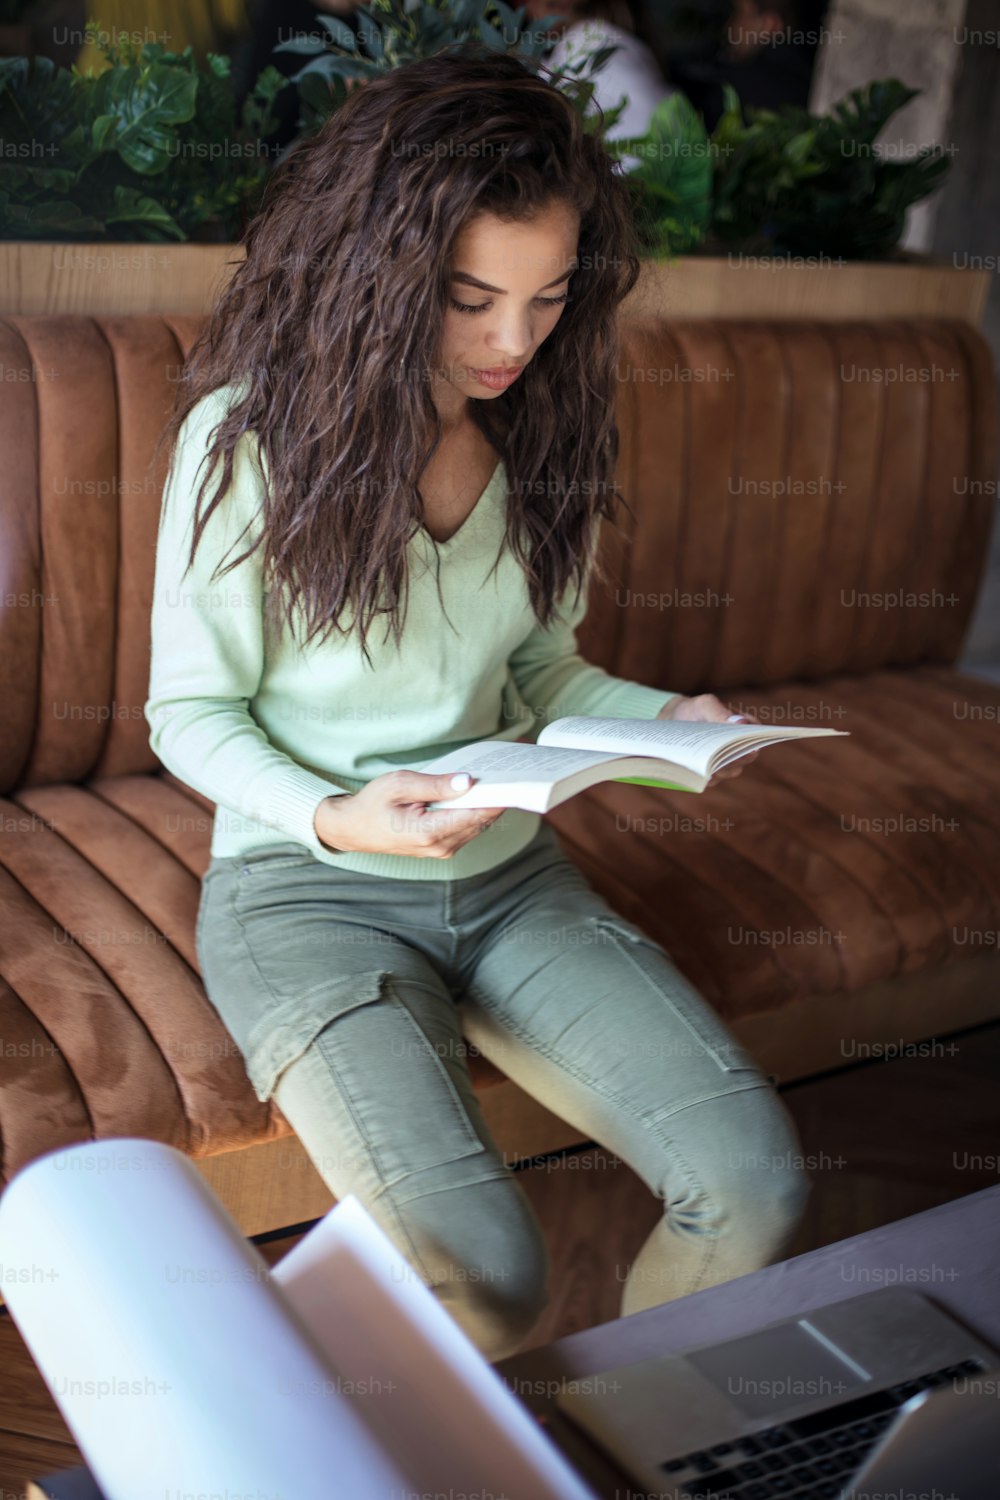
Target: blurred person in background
[632, 70]
[765, 49]
[768, 54]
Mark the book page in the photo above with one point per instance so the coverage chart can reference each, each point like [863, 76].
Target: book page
[509, 762]
[68, 1484]
[690, 745]
[171, 1353]
[699, 747]
[184, 1365]
[451, 1418]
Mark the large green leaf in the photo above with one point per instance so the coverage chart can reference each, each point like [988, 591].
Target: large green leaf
[340, 31]
[143, 103]
[143, 213]
[673, 169]
[149, 149]
[45, 221]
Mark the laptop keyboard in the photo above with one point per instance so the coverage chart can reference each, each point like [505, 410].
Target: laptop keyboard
[810, 1458]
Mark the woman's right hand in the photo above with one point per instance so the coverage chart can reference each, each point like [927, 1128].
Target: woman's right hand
[390, 816]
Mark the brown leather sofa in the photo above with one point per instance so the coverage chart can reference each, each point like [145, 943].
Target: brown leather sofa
[836, 899]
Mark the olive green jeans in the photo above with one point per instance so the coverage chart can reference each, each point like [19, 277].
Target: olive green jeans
[355, 1000]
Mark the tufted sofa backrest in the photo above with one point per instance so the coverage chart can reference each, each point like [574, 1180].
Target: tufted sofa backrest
[782, 478]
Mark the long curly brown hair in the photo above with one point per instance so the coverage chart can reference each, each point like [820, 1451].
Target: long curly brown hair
[331, 322]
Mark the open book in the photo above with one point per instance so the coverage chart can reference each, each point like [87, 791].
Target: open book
[574, 753]
[182, 1364]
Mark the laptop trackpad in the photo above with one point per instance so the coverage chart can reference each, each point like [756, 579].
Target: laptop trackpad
[767, 1372]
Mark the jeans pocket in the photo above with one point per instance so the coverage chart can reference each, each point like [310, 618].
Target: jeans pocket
[267, 857]
[680, 994]
[289, 1027]
[401, 1098]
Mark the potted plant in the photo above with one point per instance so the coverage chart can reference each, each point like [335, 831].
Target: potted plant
[786, 213]
[153, 150]
[391, 32]
[785, 183]
[740, 223]
[149, 153]
[150, 149]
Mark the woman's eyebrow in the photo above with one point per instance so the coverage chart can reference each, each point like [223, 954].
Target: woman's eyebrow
[485, 286]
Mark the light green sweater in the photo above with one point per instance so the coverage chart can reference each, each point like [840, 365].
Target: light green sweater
[266, 734]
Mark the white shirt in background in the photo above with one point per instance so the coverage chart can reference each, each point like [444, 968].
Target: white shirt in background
[632, 70]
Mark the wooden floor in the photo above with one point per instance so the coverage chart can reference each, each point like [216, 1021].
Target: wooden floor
[882, 1140]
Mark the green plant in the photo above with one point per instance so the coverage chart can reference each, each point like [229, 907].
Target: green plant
[671, 183]
[810, 185]
[148, 149]
[391, 32]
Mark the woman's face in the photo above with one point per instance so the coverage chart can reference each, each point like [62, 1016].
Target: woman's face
[508, 284]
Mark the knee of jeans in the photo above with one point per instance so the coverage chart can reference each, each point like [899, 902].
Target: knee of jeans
[748, 1174]
[499, 1294]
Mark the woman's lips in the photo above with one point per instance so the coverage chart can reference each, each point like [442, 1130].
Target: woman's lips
[497, 379]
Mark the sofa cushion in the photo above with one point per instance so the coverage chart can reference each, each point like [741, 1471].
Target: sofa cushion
[783, 478]
[105, 1027]
[825, 866]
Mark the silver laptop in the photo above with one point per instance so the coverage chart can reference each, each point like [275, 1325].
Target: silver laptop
[855, 1400]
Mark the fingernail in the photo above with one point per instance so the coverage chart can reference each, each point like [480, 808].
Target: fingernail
[461, 781]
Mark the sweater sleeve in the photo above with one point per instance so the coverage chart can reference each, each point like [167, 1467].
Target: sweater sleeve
[207, 650]
[553, 679]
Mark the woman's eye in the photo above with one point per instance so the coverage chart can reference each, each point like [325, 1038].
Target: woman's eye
[468, 307]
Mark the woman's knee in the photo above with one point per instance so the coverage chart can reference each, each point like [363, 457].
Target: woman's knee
[488, 1263]
[745, 1173]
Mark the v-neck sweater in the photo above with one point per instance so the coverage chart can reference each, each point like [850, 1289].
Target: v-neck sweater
[267, 727]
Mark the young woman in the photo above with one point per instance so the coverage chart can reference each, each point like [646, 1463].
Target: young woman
[409, 384]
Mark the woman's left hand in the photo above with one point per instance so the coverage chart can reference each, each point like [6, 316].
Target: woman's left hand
[707, 709]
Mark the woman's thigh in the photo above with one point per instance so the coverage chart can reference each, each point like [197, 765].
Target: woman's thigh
[449, 1204]
[285, 955]
[592, 1017]
[356, 1035]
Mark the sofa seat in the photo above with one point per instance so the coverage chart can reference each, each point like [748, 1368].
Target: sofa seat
[828, 873]
[789, 882]
[101, 883]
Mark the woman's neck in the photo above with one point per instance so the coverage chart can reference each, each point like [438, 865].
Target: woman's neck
[454, 415]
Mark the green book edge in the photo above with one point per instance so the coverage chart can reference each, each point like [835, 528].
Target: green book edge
[645, 781]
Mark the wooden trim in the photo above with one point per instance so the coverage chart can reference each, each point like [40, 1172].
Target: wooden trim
[117, 279]
[49, 277]
[850, 1027]
[695, 287]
